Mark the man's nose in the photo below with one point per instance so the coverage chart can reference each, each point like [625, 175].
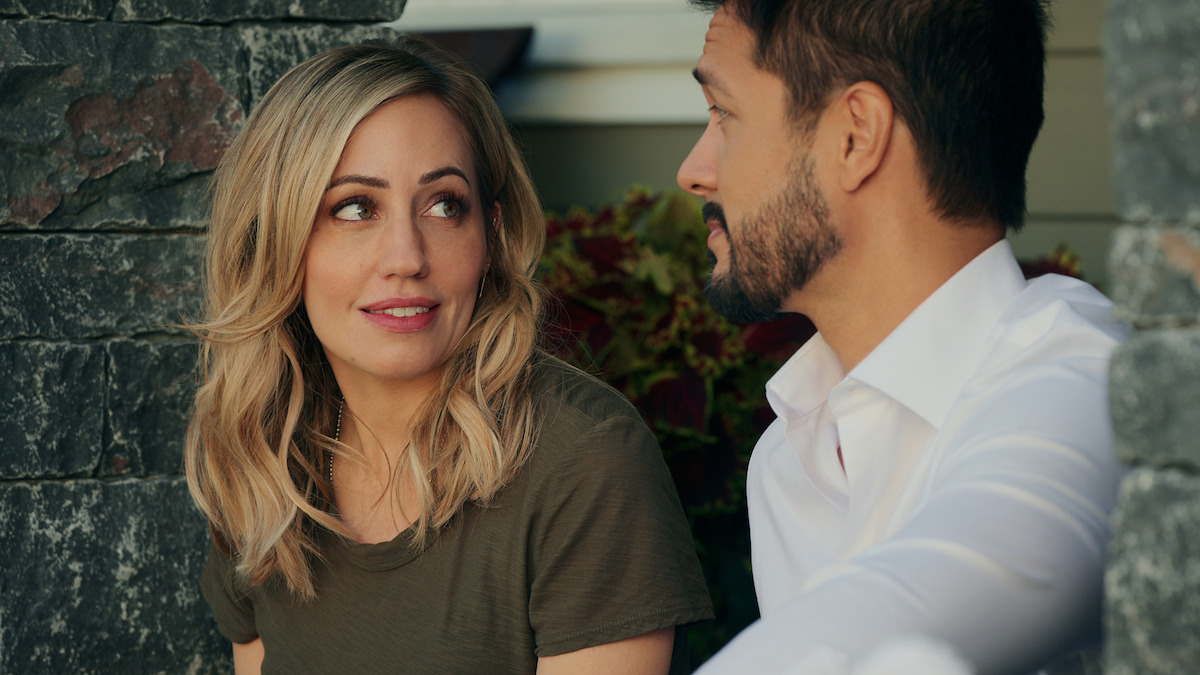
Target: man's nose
[698, 173]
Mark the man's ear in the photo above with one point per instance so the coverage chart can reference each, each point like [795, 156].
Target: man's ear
[864, 122]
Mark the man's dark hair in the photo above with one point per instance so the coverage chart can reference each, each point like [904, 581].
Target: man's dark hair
[965, 77]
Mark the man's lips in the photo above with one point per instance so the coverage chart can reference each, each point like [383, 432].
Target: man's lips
[715, 234]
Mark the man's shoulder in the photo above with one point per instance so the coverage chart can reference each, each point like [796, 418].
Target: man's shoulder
[1063, 315]
[1045, 364]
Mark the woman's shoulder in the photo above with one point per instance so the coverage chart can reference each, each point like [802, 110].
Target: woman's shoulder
[579, 415]
[564, 390]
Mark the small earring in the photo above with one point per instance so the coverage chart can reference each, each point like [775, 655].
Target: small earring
[482, 280]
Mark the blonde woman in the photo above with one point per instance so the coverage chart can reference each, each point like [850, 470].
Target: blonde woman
[395, 478]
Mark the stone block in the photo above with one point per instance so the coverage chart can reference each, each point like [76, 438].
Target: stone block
[274, 48]
[1152, 53]
[226, 11]
[1151, 616]
[51, 409]
[102, 577]
[1154, 398]
[74, 10]
[113, 125]
[1154, 275]
[117, 125]
[73, 286]
[151, 385]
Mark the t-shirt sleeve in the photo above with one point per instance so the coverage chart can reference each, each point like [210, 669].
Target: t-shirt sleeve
[612, 554]
[230, 602]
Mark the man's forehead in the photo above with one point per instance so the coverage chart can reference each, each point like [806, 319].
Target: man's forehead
[727, 41]
[724, 28]
[724, 18]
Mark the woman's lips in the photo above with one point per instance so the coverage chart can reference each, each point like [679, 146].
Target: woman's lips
[403, 316]
[399, 312]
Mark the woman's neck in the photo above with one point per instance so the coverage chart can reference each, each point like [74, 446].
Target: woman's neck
[376, 495]
[380, 414]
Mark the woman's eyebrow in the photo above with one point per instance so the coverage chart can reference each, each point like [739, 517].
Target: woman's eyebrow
[369, 181]
[442, 172]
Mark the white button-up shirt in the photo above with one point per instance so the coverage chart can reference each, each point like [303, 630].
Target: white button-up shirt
[979, 475]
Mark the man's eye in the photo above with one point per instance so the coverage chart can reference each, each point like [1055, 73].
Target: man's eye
[719, 112]
[354, 211]
[446, 208]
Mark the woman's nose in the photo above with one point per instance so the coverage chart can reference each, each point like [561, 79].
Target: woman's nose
[402, 250]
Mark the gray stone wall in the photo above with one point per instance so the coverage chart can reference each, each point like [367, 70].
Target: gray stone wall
[1152, 618]
[113, 113]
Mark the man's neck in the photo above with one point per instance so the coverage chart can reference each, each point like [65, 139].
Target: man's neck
[859, 298]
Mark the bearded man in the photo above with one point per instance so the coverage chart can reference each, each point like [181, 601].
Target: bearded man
[942, 462]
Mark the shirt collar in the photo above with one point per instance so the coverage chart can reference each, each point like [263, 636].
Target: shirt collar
[924, 363]
[802, 384]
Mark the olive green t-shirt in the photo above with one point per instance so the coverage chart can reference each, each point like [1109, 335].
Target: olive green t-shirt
[587, 546]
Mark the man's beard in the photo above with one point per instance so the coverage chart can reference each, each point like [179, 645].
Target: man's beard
[779, 248]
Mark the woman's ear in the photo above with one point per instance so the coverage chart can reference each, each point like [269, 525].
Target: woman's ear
[496, 228]
[496, 217]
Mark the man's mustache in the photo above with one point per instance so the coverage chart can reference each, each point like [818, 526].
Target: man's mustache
[713, 211]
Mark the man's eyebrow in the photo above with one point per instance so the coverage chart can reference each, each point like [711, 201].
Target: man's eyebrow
[443, 172]
[369, 181]
[706, 79]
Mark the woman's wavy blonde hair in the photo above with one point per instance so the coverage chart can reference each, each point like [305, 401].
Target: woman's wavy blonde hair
[264, 415]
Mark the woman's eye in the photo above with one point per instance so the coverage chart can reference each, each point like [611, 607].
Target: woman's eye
[354, 211]
[446, 208]
[719, 112]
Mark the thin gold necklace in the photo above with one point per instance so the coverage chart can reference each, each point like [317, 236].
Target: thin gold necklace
[337, 434]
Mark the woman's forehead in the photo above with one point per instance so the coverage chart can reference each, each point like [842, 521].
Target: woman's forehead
[414, 134]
